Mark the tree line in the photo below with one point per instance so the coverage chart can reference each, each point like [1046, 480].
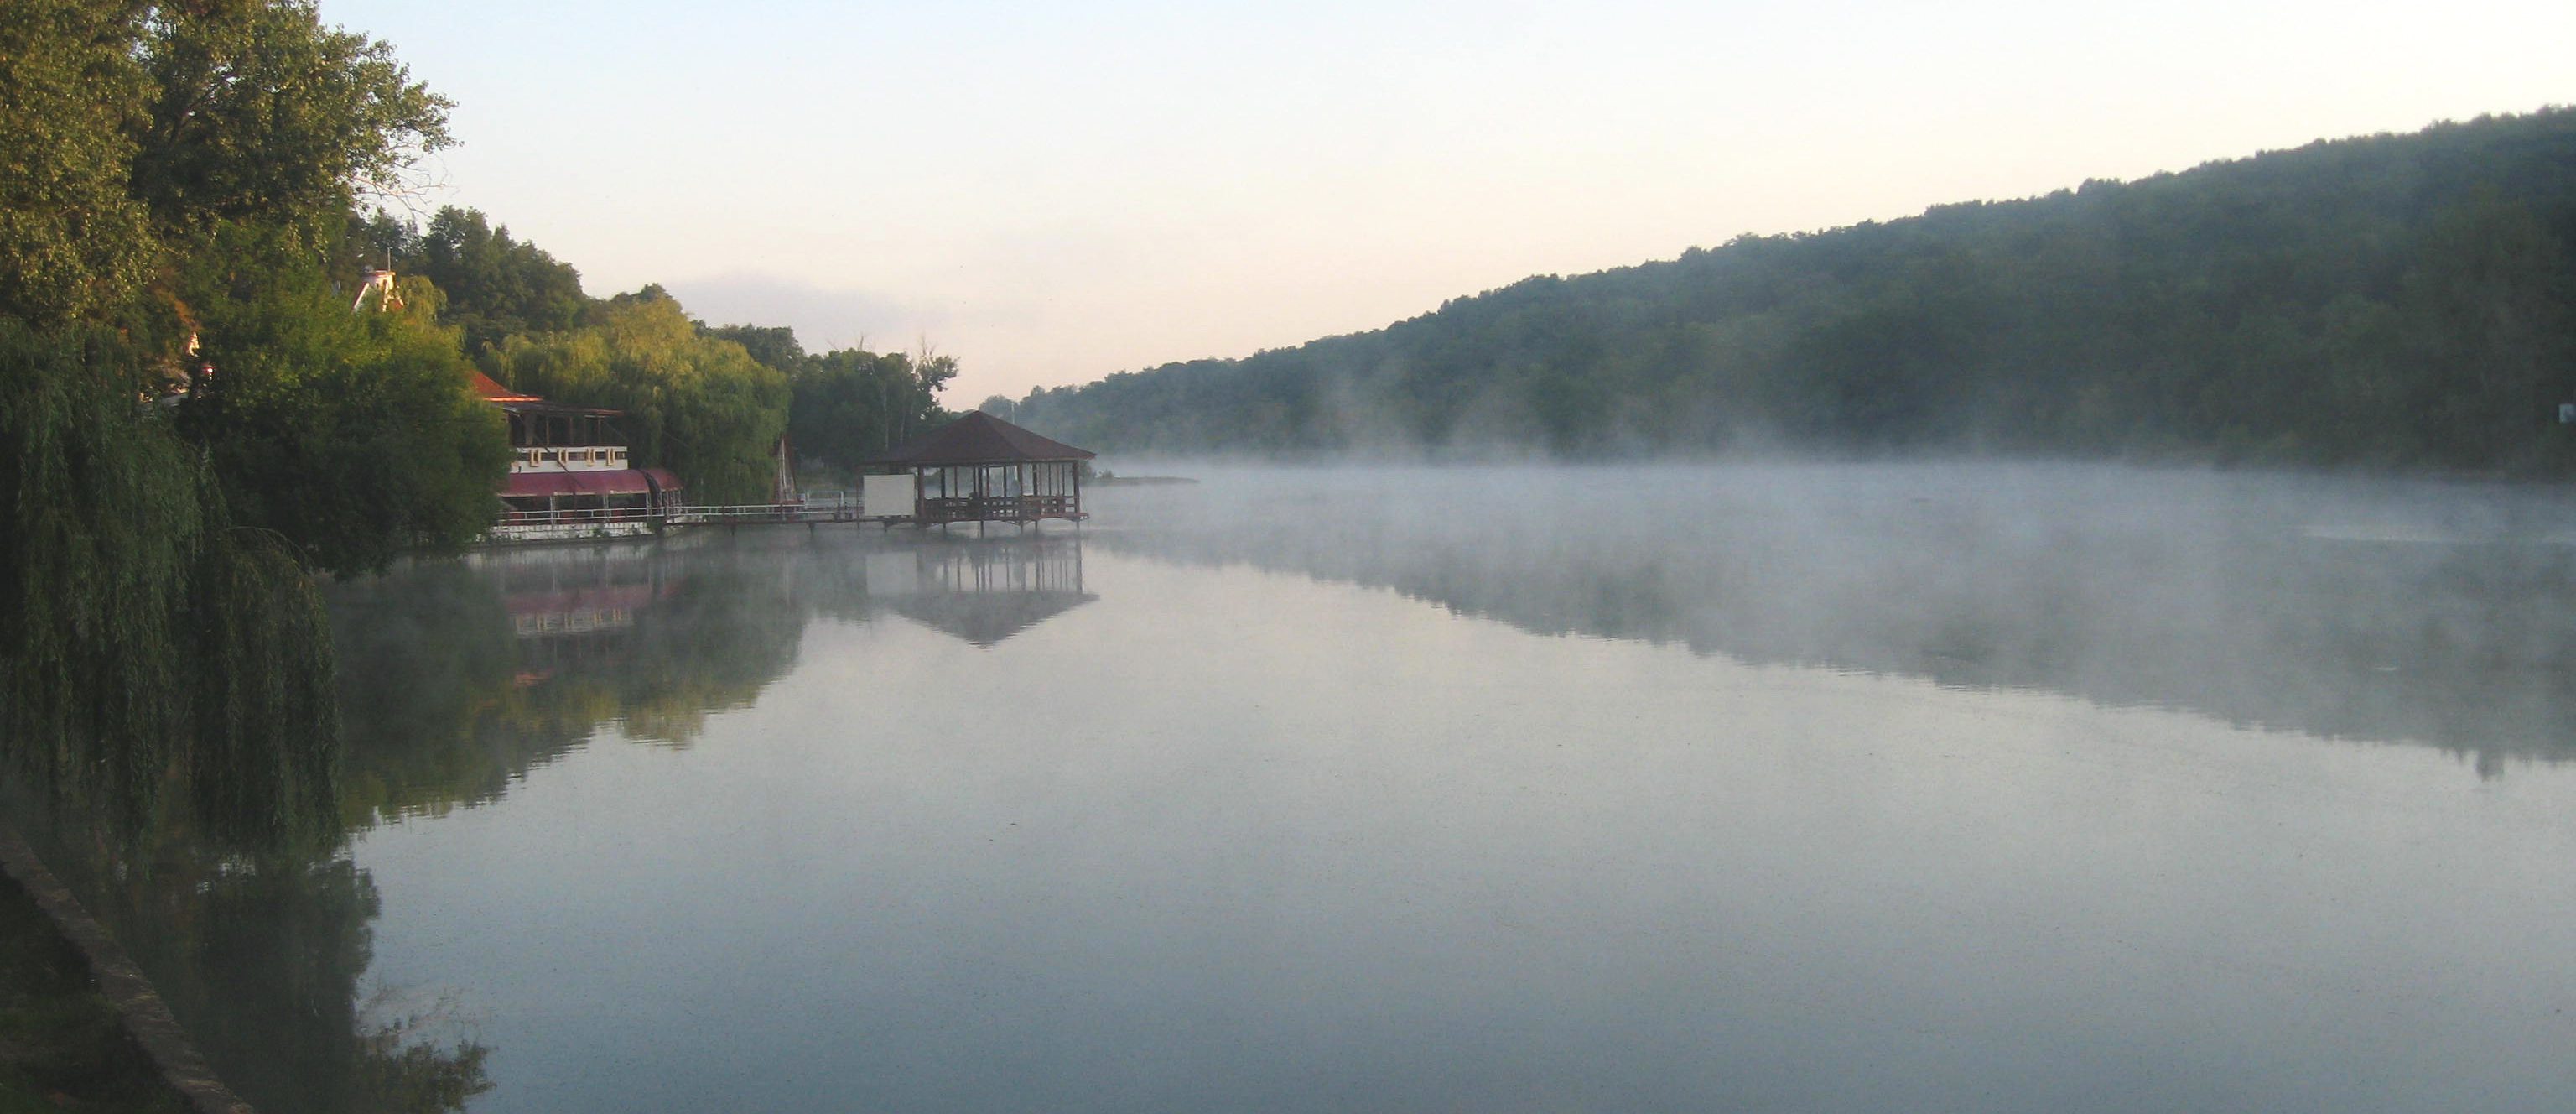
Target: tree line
[195, 422]
[185, 400]
[196, 426]
[2401, 301]
[708, 402]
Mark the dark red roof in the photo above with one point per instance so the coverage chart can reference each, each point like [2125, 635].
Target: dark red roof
[979, 438]
[628, 481]
[492, 391]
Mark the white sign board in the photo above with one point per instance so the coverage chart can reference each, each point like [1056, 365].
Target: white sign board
[885, 496]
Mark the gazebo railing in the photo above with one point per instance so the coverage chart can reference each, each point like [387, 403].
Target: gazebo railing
[996, 508]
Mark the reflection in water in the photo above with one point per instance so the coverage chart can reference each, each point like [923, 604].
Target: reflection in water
[1228, 834]
[1234, 839]
[982, 592]
[260, 953]
[2434, 613]
[457, 679]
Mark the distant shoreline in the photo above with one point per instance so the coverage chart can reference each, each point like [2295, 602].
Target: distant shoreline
[1141, 481]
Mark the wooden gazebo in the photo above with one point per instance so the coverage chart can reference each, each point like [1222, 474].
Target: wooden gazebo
[980, 468]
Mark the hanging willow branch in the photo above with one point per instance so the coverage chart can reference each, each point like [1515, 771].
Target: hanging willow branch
[141, 638]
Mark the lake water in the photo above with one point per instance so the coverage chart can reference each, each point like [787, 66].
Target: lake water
[1850, 788]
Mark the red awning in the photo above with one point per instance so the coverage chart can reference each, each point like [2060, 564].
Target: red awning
[538, 485]
[624, 481]
[664, 477]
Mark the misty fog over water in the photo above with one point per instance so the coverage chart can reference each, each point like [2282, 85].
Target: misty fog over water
[1798, 787]
[2418, 611]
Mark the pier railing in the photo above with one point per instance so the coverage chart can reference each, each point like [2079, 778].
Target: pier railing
[818, 506]
[813, 507]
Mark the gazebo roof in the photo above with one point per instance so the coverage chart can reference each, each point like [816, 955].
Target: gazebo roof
[985, 619]
[978, 438]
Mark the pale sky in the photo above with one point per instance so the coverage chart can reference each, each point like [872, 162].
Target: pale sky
[1055, 192]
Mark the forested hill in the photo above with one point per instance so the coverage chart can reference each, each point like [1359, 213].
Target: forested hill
[2390, 300]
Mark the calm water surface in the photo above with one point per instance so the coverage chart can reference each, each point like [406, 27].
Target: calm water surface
[1789, 788]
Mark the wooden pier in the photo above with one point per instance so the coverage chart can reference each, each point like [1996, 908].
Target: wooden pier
[976, 469]
[814, 509]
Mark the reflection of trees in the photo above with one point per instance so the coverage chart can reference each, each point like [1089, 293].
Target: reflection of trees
[2213, 595]
[712, 646]
[418, 669]
[458, 679]
[258, 952]
[455, 681]
[272, 956]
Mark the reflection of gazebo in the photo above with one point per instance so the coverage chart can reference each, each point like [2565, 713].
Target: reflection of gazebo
[982, 592]
[980, 468]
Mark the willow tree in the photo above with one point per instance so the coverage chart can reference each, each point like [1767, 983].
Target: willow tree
[146, 628]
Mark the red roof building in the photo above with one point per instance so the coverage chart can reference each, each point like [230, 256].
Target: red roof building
[569, 467]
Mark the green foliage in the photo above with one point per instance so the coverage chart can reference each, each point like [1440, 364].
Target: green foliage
[496, 286]
[103, 525]
[263, 770]
[696, 404]
[775, 346]
[2386, 301]
[143, 631]
[353, 435]
[850, 404]
[166, 676]
[209, 151]
[175, 170]
[264, 115]
[73, 242]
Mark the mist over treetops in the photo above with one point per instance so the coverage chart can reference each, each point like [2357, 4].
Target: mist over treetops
[2390, 300]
